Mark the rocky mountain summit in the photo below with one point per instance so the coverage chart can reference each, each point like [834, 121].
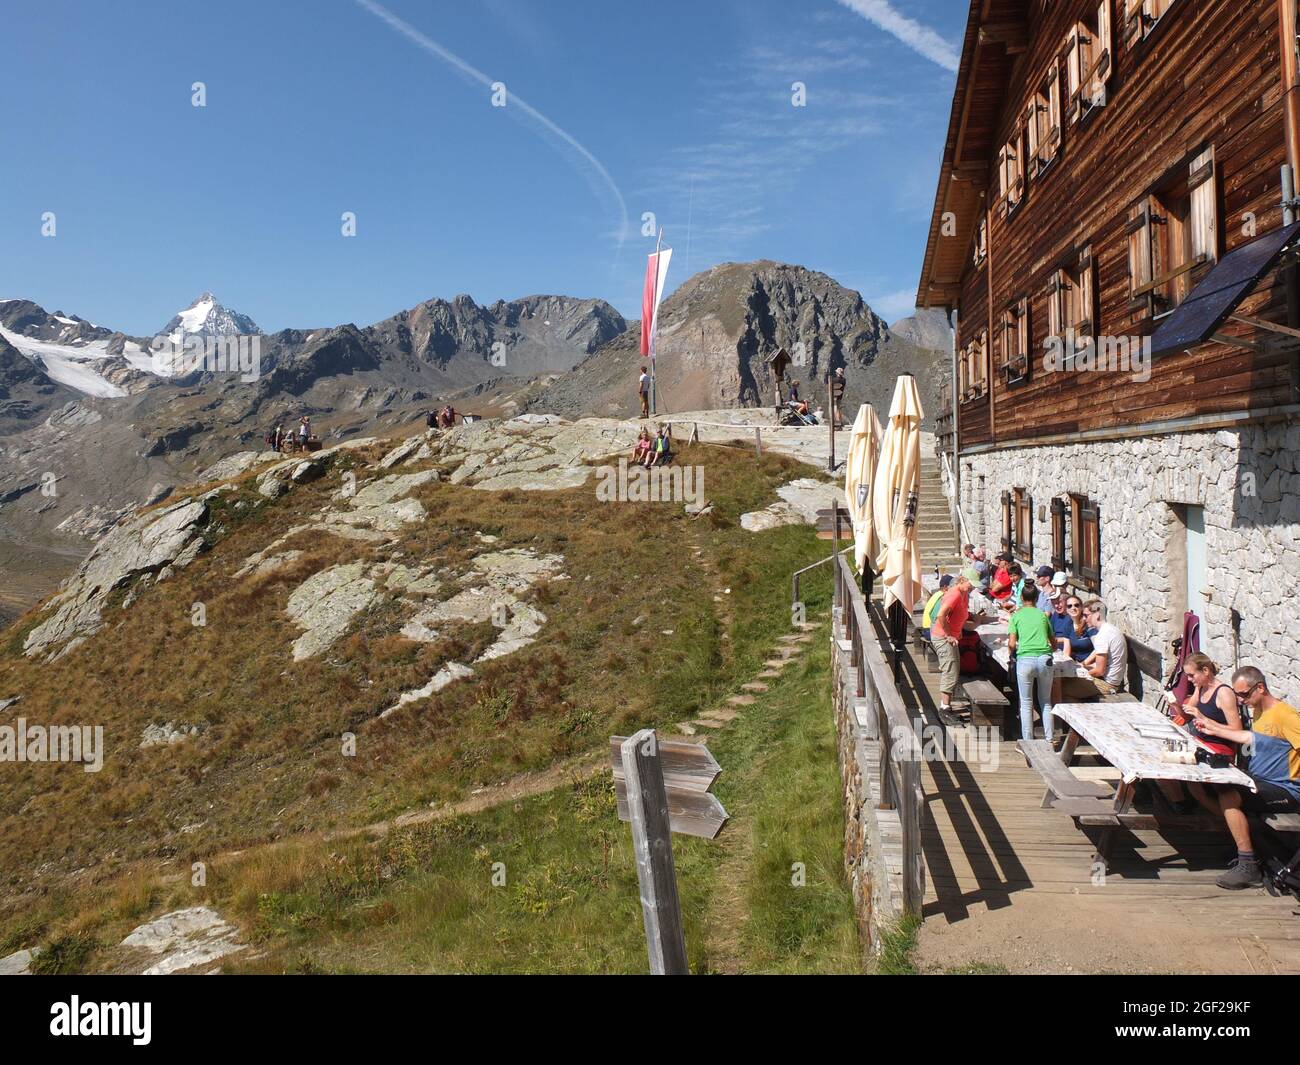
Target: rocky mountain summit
[718, 330]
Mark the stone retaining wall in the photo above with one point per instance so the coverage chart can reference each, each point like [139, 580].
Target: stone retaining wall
[877, 891]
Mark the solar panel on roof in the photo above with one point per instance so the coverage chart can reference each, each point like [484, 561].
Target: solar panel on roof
[1208, 305]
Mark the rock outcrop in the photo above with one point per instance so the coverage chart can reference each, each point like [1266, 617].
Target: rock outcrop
[142, 545]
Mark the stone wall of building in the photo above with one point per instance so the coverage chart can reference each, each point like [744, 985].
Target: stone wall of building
[1248, 482]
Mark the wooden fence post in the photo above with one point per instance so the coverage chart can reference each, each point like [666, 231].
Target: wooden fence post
[652, 843]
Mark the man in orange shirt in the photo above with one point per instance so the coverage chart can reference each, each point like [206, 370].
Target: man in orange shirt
[946, 627]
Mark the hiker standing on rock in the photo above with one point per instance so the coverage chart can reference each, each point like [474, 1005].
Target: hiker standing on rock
[304, 432]
[643, 387]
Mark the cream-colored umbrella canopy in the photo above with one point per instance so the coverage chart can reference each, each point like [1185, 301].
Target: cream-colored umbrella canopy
[860, 469]
[895, 497]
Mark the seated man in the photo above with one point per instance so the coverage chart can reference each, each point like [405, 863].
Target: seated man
[1107, 666]
[1272, 750]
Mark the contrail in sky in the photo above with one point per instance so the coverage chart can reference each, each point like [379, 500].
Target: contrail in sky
[919, 38]
[593, 171]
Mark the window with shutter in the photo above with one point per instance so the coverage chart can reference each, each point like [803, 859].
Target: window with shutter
[982, 363]
[1173, 235]
[1059, 561]
[1015, 342]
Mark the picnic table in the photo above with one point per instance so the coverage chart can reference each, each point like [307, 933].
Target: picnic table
[994, 637]
[1131, 738]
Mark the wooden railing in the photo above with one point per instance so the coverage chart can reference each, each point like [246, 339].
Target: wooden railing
[887, 736]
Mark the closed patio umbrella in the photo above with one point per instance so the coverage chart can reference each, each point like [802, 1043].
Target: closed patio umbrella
[860, 469]
[894, 502]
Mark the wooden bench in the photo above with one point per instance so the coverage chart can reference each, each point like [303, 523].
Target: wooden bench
[1064, 790]
[1282, 822]
[826, 524]
[988, 706]
[1119, 697]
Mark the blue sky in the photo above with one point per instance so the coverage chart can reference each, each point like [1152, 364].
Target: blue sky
[316, 107]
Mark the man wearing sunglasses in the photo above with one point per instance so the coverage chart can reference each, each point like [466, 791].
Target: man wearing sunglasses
[1272, 750]
[1107, 666]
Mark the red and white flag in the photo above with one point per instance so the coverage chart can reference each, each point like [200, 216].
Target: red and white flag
[656, 272]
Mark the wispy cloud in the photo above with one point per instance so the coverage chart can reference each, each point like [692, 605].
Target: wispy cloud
[759, 148]
[892, 306]
[920, 39]
[591, 168]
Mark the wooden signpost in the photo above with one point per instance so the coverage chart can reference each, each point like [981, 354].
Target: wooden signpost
[663, 787]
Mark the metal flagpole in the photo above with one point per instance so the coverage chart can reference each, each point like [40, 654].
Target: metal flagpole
[654, 313]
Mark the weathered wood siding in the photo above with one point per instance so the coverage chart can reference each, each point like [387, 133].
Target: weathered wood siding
[1209, 75]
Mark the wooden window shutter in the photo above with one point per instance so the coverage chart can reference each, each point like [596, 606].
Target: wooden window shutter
[1074, 73]
[1139, 248]
[1016, 154]
[1053, 144]
[1022, 327]
[1133, 12]
[1089, 564]
[1007, 537]
[1056, 290]
[1103, 49]
[1203, 183]
[982, 362]
[1085, 316]
[1058, 534]
[1032, 143]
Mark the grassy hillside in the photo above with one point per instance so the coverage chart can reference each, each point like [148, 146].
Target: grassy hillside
[82, 853]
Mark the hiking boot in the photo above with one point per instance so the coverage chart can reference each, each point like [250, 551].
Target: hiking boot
[952, 717]
[1244, 873]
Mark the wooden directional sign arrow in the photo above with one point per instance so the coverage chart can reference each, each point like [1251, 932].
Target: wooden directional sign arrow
[689, 770]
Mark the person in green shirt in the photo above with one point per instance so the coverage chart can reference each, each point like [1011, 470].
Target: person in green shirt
[1030, 642]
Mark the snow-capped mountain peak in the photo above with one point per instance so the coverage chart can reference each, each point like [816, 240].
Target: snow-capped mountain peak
[207, 317]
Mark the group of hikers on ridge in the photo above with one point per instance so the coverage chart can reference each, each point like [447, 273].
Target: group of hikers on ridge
[442, 419]
[654, 450]
[278, 439]
[798, 410]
